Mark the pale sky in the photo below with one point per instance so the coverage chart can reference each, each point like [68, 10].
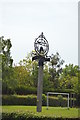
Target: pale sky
[23, 20]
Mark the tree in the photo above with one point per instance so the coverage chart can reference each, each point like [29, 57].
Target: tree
[29, 67]
[5, 51]
[22, 76]
[47, 84]
[70, 70]
[7, 61]
[6, 55]
[69, 77]
[35, 73]
[55, 69]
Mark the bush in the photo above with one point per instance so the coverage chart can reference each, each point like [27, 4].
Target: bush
[60, 98]
[20, 90]
[23, 90]
[19, 100]
[44, 100]
[7, 90]
[30, 116]
[30, 100]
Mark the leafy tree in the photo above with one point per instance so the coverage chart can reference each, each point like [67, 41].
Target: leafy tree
[7, 61]
[22, 76]
[69, 77]
[35, 73]
[55, 69]
[47, 84]
[5, 51]
[70, 70]
[6, 55]
[26, 73]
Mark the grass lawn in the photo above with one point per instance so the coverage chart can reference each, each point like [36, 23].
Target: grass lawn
[52, 111]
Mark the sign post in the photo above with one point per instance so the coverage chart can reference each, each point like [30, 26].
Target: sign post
[41, 47]
[40, 89]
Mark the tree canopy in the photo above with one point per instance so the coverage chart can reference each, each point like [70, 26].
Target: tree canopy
[25, 75]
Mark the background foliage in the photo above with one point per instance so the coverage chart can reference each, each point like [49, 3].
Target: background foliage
[21, 79]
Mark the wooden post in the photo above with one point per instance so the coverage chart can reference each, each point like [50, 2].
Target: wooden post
[39, 89]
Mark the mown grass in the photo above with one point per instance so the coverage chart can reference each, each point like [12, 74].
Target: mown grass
[52, 111]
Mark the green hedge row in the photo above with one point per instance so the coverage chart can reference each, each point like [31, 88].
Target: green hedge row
[30, 116]
[20, 90]
[19, 100]
[31, 100]
[24, 90]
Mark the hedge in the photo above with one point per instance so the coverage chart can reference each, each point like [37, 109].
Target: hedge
[18, 100]
[30, 116]
[45, 90]
[24, 90]
[31, 100]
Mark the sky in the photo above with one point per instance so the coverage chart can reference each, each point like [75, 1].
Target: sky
[23, 20]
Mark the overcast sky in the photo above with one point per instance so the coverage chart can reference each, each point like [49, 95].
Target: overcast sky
[23, 20]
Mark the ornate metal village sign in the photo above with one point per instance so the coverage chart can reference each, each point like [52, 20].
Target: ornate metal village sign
[41, 47]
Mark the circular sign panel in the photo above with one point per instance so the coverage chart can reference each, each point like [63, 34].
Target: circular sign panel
[41, 45]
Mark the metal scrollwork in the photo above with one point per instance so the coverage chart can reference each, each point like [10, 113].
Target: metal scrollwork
[41, 45]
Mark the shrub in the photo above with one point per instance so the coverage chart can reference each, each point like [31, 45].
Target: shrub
[23, 90]
[30, 116]
[7, 90]
[60, 98]
[44, 99]
[19, 100]
[30, 100]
